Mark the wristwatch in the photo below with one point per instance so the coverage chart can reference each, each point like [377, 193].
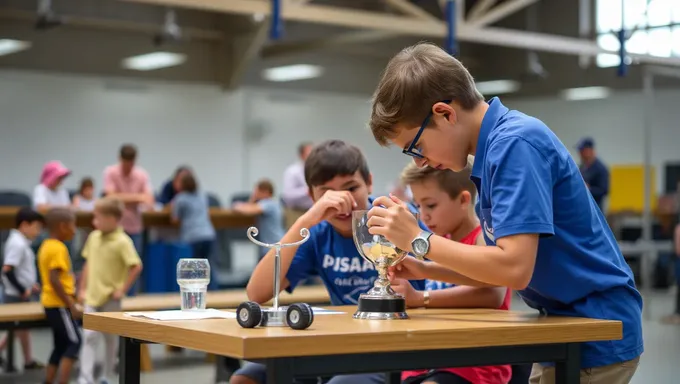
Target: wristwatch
[421, 244]
[426, 298]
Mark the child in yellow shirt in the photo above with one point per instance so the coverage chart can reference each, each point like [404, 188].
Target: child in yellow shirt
[58, 294]
[112, 266]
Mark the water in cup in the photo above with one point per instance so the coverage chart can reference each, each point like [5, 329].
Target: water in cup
[193, 277]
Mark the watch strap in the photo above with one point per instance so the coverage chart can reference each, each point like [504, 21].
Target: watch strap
[426, 298]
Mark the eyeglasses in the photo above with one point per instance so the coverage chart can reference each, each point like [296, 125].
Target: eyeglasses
[412, 150]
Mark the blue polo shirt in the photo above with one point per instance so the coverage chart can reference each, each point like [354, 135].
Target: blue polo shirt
[529, 183]
[336, 260]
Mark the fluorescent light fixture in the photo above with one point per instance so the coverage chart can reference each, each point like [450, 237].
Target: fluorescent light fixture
[497, 87]
[585, 93]
[155, 60]
[292, 72]
[8, 46]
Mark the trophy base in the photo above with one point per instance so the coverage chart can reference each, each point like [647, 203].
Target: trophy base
[381, 308]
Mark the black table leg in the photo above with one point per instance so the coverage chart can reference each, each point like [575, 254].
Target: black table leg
[569, 370]
[9, 363]
[393, 378]
[128, 363]
[279, 371]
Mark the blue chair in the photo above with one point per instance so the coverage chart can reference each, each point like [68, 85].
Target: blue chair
[213, 201]
[9, 198]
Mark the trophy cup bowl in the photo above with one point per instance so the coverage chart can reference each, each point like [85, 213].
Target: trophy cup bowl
[381, 302]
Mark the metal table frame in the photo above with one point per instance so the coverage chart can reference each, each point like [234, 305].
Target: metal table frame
[567, 358]
[11, 327]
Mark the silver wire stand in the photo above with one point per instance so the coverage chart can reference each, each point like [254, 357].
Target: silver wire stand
[276, 316]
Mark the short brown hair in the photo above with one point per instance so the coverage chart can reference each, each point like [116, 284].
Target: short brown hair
[86, 183]
[414, 80]
[128, 152]
[266, 186]
[188, 183]
[453, 183]
[58, 215]
[334, 158]
[110, 207]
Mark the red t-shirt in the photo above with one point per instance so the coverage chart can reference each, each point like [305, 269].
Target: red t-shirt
[497, 374]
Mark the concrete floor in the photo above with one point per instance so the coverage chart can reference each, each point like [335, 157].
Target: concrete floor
[659, 365]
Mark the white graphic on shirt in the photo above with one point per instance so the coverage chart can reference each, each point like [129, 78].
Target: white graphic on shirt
[488, 231]
[346, 264]
[349, 297]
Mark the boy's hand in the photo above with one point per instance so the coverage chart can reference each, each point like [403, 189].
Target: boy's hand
[409, 269]
[414, 298]
[330, 204]
[27, 294]
[76, 311]
[390, 217]
[36, 288]
[117, 294]
[81, 297]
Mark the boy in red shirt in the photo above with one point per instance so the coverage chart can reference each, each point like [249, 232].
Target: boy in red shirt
[446, 200]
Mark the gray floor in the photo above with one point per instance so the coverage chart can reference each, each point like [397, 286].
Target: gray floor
[660, 363]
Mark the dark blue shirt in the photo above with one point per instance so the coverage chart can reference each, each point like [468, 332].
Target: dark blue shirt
[167, 193]
[596, 175]
[528, 183]
[336, 260]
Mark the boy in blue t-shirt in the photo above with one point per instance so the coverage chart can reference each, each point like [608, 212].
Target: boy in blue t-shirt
[339, 183]
[546, 236]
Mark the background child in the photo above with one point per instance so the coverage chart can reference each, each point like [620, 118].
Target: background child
[112, 266]
[58, 294]
[191, 210]
[84, 199]
[446, 201]
[50, 192]
[19, 276]
[339, 182]
[268, 209]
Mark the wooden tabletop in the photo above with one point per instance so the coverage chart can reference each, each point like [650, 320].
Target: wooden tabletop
[151, 302]
[221, 218]
[426, 329]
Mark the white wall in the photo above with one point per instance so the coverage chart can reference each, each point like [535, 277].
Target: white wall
[82, 121]
[234, 139]
[616, 124]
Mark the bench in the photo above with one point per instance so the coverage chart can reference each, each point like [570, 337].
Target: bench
[31, 315]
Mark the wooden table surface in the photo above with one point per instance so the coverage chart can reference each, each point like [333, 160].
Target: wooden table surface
[427, 329]
[221, 218]
[151, 302]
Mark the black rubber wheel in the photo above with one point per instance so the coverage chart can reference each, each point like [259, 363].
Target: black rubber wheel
[249, 314]
[299, 316]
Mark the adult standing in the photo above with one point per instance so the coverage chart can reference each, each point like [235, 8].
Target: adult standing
[130, 184]
[295, 192]
[593, 170]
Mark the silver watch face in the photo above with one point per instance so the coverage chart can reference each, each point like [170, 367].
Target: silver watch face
[420, 246]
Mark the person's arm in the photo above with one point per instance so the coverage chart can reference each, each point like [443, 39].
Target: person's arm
[599, 186]
[134, 263]
[177, 208]
[59, 289]
[82, 284]
[76, 202]
[40, 199]
[8, 270]
[14, 257]
[295, 192]
[454, 297]
[248, 208]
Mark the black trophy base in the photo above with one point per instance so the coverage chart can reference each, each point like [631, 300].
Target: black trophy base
[381, 308]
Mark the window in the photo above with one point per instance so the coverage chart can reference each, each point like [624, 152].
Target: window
[656, 26]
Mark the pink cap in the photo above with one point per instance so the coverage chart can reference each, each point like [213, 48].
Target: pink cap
[53, 171]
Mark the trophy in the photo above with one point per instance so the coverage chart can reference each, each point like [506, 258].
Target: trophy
[250, 314]
[380, 302]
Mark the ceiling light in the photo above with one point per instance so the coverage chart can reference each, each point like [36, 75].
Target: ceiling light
[585, 93]
[156, 60]
[292, 72]
[8, 46]
[497, 87]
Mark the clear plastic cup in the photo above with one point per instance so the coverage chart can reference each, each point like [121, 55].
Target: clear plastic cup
[193, 277]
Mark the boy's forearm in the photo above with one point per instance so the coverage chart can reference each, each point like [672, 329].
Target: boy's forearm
[133, 275]
[436, 271]
[485, 266]
[261, 284]
[467, 297]
[59, 289]
[82, 284]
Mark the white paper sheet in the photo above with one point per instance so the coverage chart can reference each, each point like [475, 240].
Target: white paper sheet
[184, 315]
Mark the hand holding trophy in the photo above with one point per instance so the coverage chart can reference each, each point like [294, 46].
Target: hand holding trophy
[380, 302]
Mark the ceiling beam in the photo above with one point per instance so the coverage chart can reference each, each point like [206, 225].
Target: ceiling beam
[285, 49]
[352, 18]
[245, 49]
[480, 8]
[411, 9]
[500, 12]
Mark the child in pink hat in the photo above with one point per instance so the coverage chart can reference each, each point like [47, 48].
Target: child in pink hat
[50, 193]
